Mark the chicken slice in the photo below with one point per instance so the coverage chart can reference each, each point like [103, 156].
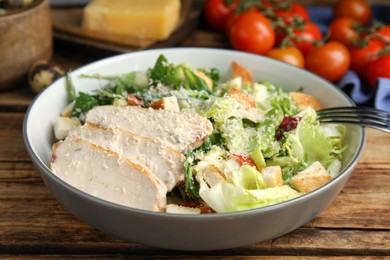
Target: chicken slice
[181, 131]
[164, 162]
[107, 175]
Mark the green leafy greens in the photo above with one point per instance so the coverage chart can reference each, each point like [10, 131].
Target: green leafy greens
[218, 172]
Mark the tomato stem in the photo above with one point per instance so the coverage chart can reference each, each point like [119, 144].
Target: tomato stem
[369, 33]
[385, 51]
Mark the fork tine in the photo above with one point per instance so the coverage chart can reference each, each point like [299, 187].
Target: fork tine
[362, 116]
[355, 120]
[363, 124]
[354, 110]
[355, 117]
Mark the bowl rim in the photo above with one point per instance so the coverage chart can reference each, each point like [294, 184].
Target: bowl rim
[228, 215]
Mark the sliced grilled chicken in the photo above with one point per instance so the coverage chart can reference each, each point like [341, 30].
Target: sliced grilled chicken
[183, 132]
[107, 175]
[164, 162]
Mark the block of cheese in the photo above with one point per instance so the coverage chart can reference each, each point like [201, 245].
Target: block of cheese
[142, 19]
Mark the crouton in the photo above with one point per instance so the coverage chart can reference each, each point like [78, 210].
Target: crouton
[211, 174]
[242, 98]
[214, 175]
[304, 100]
[167, 103]
[311, 178]
[272, 176]
[240, 71]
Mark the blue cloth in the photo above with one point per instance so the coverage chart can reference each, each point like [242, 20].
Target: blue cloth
[357, 88]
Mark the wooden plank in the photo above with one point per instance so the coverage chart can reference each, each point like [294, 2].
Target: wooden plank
[22, 194]
[81, 239]
[188, 256]
[12, 146]
[369, 178]
[26, 199]
[206, 38]
[377, 150]
[18, 171]
[365, 210]
[17, 99]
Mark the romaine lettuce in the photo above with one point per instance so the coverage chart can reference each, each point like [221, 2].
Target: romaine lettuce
[227, 197]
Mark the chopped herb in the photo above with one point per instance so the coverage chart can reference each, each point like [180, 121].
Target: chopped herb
[84, 102]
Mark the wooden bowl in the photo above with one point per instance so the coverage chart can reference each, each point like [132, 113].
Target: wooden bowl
[25, 38]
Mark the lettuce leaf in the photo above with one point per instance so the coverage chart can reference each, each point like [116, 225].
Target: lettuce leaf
[176, 76]
[308, 143]
[247, 177]
[227, 197]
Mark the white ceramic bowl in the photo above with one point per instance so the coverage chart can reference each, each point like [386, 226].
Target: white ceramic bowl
[187, 232]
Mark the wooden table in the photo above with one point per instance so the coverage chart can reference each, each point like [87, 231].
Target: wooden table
[33, 224]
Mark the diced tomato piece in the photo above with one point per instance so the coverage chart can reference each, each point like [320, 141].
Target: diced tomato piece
[133, 100]
[243, 160]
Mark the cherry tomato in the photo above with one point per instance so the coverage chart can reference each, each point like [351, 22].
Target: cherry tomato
[305, 36]
[232, 16]
[378, 68]
[361, 56]
[330, 60]
[384, 33]
[342, 30]
[133, 100]
[355, 9]
[243, 160]
[252, 32]
[296, 11]
[291, 55]
[215, 12]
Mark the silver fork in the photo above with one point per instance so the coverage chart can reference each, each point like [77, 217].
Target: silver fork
[363, 116]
